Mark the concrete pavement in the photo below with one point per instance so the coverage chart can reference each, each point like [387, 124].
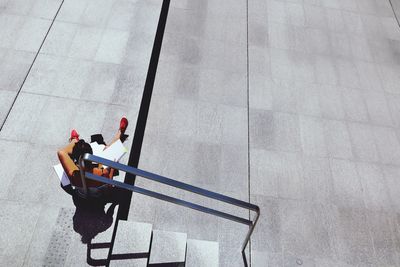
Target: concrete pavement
[292, 105]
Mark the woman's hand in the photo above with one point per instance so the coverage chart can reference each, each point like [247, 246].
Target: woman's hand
[111, 174]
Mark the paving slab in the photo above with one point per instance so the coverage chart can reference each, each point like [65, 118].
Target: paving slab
[318, 185]
[230, 257]
[15, 65]
[201, 225]
[378, 109]
[7, 98]
[312, 136]
[346, 184]
[201, 253]
[305, 229]
[264, 259]
[396, 6]
[133, 263]
[42, 236]
[17, 152]
[383, 234]
[267, 237]
[38, 183]
[337, 139]
[45, 9]
[363, 143]
[387, 144]
[132, 237]
[374, 187]
[167, 247]
[16, 236]
[352, 241]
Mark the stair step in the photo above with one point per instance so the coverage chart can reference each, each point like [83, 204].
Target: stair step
[129, 263]
[202, 253]
[168, 247]
[132, 242]
[132, 237]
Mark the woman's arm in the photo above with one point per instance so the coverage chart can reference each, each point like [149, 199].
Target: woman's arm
[111, 174]
[68, 148]
[66, 161]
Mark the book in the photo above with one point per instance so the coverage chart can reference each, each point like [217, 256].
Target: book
[114, 152]
[97, 148]
[61, 174]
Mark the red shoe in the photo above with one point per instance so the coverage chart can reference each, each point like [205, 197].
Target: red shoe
[74, 135]
[123, 124]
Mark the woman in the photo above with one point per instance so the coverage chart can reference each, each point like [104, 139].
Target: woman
[69, 157]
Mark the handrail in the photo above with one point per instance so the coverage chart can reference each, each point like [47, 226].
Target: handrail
[174, 183]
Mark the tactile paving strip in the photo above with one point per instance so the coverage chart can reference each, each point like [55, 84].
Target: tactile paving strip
[61, 239]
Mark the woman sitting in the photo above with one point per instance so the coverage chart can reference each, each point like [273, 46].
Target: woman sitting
[69, 157]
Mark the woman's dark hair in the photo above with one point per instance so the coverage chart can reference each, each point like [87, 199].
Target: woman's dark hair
[81, 148]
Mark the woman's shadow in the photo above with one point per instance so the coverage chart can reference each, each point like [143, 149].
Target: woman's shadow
[91, 218]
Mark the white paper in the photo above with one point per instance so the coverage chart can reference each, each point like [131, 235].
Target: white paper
[114, 152]
[96, 148]
[62, 175]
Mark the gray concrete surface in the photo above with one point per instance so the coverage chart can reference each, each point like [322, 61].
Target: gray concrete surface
[201, 253]
[138, 235]
[132, 237]
[292, 105]
[167, 247]
[76, 81]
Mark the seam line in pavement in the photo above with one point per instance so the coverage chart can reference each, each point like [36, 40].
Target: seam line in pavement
[248, 116]
[394, 12]
[30, 67]
[76, 99]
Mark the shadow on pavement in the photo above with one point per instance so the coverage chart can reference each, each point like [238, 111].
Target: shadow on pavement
[91, 218]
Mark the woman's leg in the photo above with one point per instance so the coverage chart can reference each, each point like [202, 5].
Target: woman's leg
[116, 137]
[120, 134]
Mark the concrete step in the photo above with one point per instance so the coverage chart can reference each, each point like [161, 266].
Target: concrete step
[202, 253]
[132, 244]
[167, 248]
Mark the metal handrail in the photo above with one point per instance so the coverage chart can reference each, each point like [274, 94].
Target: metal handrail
[173, 183]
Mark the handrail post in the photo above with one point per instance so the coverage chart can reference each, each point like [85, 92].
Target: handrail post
[247, 239]
[83, 176]
[253, 225]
